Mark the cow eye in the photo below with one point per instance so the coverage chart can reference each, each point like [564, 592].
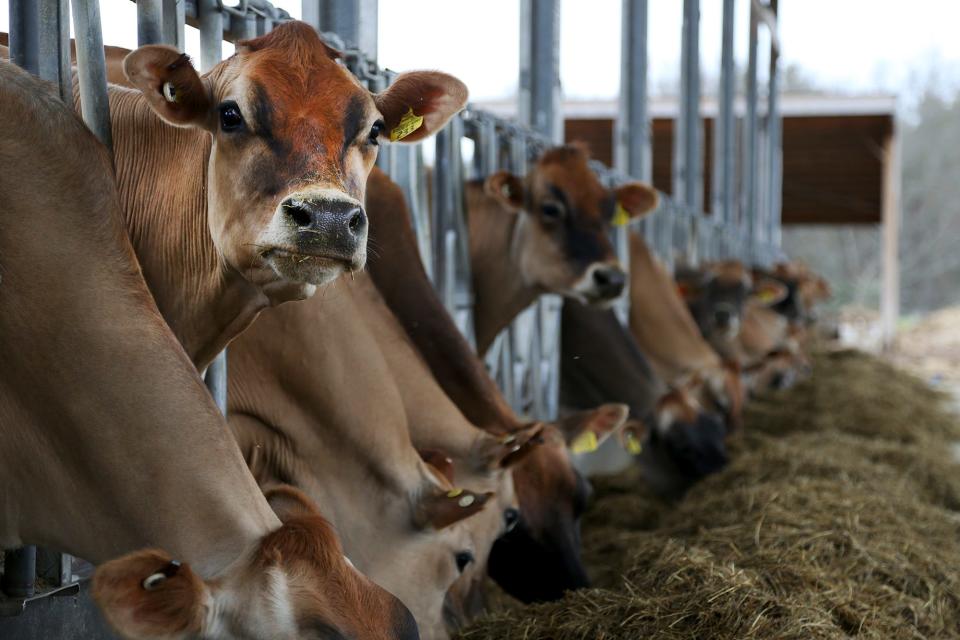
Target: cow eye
[551, 210]
[375, 132]
[511, 517]
[464, 558]
[230, 117]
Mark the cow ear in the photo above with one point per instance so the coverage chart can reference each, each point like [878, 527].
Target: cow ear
[419, 103]
[438, 462]
[148, 595]
[170, 84]
[636, 199]
[506, 188]
[502, 452]
[584, 431]
[439, 508]
[768, 292]
[290, 503]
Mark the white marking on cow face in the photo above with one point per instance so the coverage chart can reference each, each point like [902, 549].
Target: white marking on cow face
[600, 284]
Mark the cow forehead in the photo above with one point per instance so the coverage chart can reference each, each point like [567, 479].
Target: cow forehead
[571, 174]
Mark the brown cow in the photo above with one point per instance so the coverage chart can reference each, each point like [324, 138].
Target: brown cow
[547, 232]
[540, 557]
[254, 196]
[313, 403]
[668, 335]
[109, 441]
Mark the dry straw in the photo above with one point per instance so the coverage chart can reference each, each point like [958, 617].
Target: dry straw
[837, 518]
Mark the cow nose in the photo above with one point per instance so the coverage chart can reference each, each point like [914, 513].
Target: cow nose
[327, 216]
[609, 281]
[722, 318]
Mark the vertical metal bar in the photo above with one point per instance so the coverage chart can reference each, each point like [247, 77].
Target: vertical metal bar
[310, 12]
[724, 148]
[92, 69]
[53, 45]
[24, 25]
[353, 20]
[174, 16]
[633, 126]
[19, 572]
[687, 180]
[539, 106]
[149, 22]
[750, 160]
[216, 380]
[775, 142]
[890, 291]
[211, 34]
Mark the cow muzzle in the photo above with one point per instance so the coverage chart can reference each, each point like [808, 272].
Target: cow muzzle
[315, 239]
[601, 283]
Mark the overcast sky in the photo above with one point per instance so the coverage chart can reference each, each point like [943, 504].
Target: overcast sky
[856, 46]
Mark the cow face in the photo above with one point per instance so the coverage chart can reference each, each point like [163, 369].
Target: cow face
[718, 294]
[562, 243]
[294, 584]
[294, 136]
[539, 558]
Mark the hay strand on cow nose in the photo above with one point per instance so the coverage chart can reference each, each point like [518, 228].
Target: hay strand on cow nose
[838, 516]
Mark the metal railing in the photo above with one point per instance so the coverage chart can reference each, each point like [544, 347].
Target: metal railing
[524, 359]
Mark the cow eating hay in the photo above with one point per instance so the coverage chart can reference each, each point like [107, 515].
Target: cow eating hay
[838, 516]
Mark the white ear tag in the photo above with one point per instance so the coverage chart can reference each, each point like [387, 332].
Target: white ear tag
[169, 92]
[153, 581]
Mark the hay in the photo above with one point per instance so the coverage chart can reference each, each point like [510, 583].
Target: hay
[821, 527]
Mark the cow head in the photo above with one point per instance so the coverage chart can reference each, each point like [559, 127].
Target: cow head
[539, 558]
[561, 243]
[294, 136]
[294, 583]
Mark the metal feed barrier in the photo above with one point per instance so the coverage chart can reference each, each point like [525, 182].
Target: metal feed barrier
[524, 359]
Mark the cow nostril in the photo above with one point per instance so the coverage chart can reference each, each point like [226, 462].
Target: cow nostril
[611, 280]
[356, 221]
[298, 213]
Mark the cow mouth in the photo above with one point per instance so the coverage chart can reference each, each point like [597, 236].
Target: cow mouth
[311, 268]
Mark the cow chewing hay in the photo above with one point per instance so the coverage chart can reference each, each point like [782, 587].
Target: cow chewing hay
[838, 516]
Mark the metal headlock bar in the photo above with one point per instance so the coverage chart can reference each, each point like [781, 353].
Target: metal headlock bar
[524, 359]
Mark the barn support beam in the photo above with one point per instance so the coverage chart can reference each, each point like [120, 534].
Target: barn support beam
[774, 141]
[211, 34]
[539, 106]
[149, 22]
[890, 232]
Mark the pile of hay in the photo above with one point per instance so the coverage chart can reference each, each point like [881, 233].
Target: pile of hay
[823, 526]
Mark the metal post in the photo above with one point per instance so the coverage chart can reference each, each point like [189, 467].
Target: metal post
[750, 160]
[24, 25]
[53, 45]
[686, 178]
[724, 148]
[353, 20]
[92, 69]
[775, 142]
[149, 22]
[310, 12]
[216, 380]
[540, 67]
[211, 34]
[174, 16]
[19, 572]
[633, 126]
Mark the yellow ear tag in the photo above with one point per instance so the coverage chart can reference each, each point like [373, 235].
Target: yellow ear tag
[767, 296]
[620, 216]
[453, 493]
[409, 123]
[634, 447]
[584, 443]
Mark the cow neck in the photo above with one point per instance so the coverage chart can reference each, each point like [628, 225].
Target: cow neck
[400, 278]
[313, 373]
[163, 193]
[660, 320]
[498, 288]
[133, 452]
